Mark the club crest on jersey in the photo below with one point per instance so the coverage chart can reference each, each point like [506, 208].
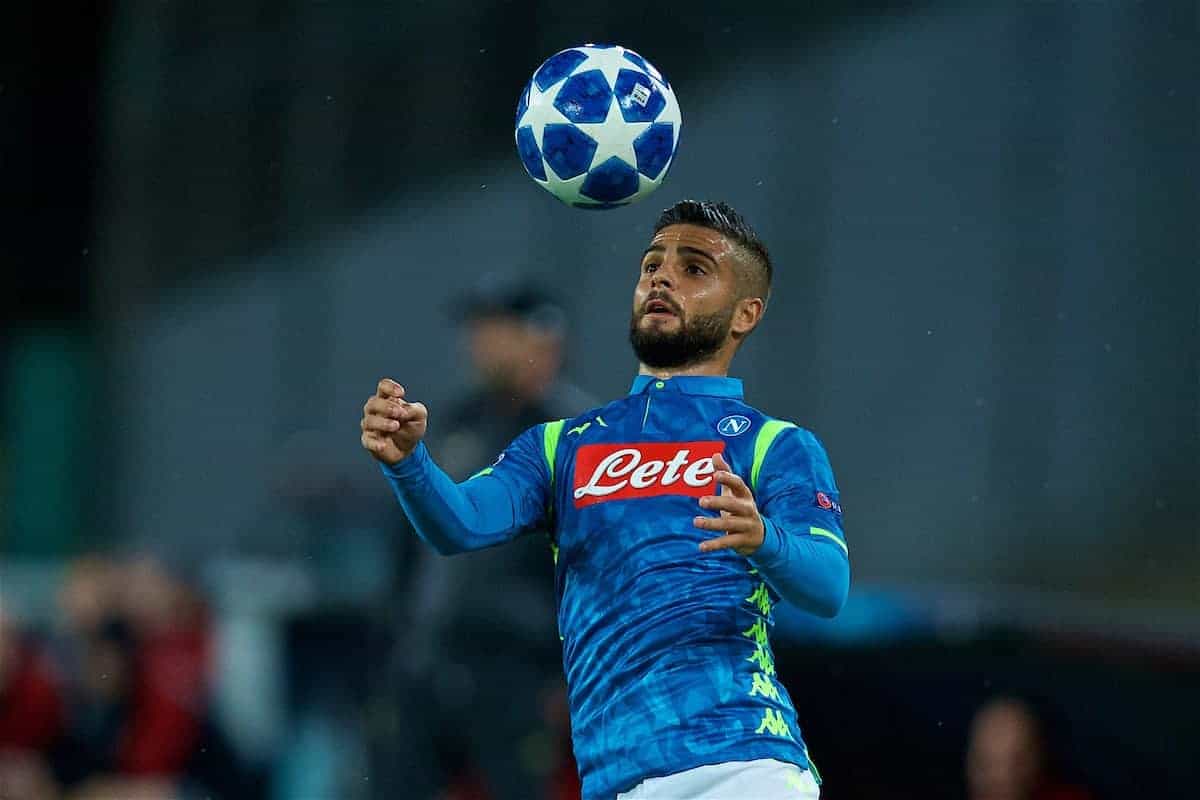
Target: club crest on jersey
[733, 425]
[643, 469]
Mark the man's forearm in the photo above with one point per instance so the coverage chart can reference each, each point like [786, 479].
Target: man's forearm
[451, 517]
[809, 570]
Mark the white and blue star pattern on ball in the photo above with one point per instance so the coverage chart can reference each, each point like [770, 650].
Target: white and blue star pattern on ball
[597, 126]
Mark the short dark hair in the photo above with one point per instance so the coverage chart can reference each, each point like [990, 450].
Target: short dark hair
[722, 217]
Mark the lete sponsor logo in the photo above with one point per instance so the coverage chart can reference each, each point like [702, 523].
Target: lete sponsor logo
[644, 469]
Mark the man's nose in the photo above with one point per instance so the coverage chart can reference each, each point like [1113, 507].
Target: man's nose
[661, 278]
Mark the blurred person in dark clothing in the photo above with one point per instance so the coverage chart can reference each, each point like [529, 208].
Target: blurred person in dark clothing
[481, 655]
[138, 643]
[138, 722]
[1009, 756]
[100, 703]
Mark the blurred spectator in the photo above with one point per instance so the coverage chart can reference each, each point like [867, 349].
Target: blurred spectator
[31, 716]
[482, 652]
[100, 703]
[89, 593]
[31, 708]
[1009, 756]
[135, 644]
[140, 667]
[173, 669]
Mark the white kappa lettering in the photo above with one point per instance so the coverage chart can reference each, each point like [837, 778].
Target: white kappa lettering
[644, 474]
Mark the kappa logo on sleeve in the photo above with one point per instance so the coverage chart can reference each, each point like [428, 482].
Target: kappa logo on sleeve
[828, 503]
[645, 469]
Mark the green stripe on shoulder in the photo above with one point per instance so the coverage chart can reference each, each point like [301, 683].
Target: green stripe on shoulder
[815, 531]
[550, 434]
[762, 443]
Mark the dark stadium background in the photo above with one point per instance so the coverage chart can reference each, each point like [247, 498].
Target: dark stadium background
[229, 219]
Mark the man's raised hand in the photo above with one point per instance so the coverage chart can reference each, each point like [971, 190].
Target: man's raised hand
[739, 521]
[391, 426]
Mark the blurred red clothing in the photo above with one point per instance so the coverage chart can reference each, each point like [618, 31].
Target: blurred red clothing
[1063, 792]
[564, 781]
[31, 703]
[169, 695]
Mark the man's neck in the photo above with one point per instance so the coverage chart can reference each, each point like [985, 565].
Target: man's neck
[713, 368]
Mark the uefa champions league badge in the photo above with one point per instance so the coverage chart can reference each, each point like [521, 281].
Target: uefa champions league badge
[733, 425]
[828, 503]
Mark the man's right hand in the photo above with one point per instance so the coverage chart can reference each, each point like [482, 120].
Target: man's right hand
[391, 426]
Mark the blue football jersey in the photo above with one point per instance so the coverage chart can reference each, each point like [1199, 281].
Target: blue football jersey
[666, 649]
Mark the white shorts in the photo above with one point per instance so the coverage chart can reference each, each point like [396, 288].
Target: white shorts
[763, 779]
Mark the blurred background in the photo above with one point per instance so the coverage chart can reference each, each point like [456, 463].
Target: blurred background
[231, 219]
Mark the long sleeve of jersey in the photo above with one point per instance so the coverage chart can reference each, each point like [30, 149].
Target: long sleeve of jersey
[804, 557]
[493, 506]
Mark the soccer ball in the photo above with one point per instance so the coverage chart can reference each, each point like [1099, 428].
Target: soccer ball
[597, 126]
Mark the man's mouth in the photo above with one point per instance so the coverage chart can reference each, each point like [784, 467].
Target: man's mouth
[658, 307]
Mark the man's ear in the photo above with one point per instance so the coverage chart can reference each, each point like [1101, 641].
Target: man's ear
[746, 315]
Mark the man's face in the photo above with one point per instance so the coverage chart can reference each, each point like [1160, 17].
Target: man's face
[686, 296]
[514, 357]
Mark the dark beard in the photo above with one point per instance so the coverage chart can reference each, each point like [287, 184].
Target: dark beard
[694, 342]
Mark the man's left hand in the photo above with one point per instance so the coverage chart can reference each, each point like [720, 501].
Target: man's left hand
[743, 526]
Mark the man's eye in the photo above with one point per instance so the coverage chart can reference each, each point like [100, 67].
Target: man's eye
[695, 269]
[650, 267]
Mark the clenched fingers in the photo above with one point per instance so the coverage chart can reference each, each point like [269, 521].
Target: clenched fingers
[390, 417]
[383, 407]
[373, 423]
[389, 388]
[373, 442]
[415, 412]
